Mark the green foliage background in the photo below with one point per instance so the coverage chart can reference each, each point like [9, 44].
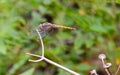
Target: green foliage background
[98, 29]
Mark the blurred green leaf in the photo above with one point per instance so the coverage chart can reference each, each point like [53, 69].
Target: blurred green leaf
[3, 48]
[18, 65]
[84, 67]
[98, 28]
[62, 72]
[28, 72]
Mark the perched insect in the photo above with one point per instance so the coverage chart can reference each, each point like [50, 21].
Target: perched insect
[46, 28]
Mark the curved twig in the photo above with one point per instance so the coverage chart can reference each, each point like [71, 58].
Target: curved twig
[47, 60]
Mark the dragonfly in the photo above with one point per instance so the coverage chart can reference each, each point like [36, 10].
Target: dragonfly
[46, 28]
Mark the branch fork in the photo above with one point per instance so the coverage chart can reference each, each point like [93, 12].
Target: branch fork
[42, 57]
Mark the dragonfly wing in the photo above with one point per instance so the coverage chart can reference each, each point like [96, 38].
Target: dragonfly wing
[43, 33]
[33, 34]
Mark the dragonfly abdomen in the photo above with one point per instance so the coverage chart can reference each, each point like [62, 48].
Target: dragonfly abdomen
[61, 26]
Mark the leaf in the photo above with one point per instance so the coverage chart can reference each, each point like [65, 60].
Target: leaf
[18, 65]
[62, 72]
[89, 43]
[57, 50]
[84, 67]
[2, 47]
[98, 28]
[28, 72]
[47, 2]
[79, 41]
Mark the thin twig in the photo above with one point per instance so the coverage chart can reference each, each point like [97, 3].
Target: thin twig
[117, 70]
[53, 63]
[47, 60]
[41, 42]
[41, 57]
